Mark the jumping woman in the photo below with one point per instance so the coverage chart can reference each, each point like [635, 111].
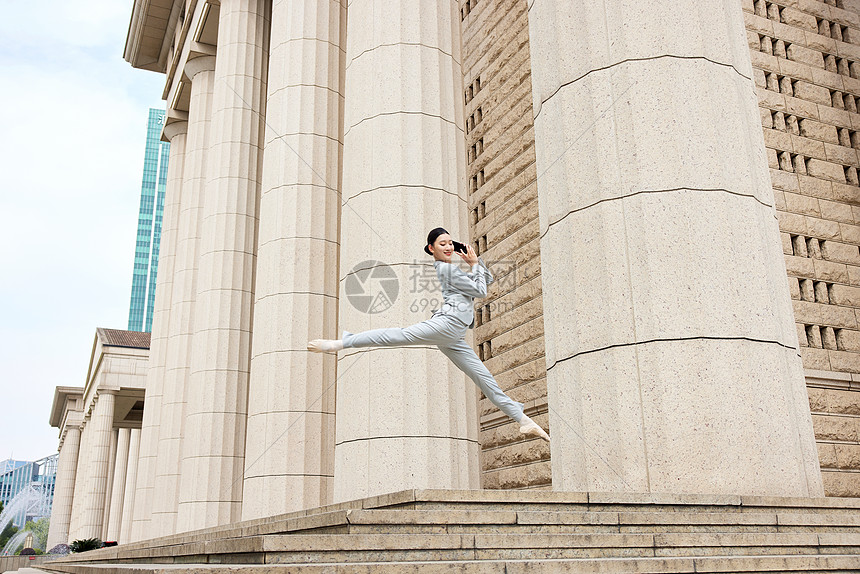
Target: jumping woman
[446, 326]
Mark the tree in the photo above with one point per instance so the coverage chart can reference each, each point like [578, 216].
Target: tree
[39, 528]
[7, 534]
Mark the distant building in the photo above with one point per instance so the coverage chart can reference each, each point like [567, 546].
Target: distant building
[9, 464]
[27, 488]
[149, 225]
[99, 426]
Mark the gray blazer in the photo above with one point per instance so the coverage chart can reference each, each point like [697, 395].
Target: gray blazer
[459, 289]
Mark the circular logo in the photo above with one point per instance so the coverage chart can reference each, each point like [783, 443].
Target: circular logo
[371, 287]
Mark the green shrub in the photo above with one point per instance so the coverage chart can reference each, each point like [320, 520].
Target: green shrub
[85, 545]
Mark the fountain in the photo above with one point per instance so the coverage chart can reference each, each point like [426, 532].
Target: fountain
[31, 500]
[15, 542]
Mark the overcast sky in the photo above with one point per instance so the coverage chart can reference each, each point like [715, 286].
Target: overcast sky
[73, 130]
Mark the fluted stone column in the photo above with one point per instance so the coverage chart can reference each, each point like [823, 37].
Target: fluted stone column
[114, 438]
[406, 417]
[152, 411]
[201, 71]
[81, 479]
[120, 469]
[164, 346]
[130, 481]
[671, 350]
[289, 464]
[64, 487]
[211, 489]
[146, 461]
[101, 427]
[162, 460]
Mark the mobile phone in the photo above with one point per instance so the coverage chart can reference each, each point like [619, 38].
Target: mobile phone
[461, 247]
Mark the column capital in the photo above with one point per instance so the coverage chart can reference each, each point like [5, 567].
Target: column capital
[72, 424]
[173, 129]
[64, 433]
[197, 65]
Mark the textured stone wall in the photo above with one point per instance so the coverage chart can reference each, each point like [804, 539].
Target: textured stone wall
[806, 58]
[504, 229]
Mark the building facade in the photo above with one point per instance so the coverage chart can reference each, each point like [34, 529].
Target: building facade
[27, 489]
[99, 427]
[149, 222]
[670, 210]
[10, 464]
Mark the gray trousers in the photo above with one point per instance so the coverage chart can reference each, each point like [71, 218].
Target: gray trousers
[446, 332]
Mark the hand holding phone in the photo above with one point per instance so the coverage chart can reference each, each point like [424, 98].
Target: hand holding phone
[467, 252]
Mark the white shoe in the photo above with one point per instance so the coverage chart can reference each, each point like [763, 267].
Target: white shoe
[528, 426]
[325, 345]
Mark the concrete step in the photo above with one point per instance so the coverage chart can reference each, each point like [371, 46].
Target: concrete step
[360, 548]
[598, 501]
[384, 548]
[409, 547]
[567, 522]
[474, 531]
[532, 547]
[706, 564]
[22, 564]
[333, 516]
[471, 522]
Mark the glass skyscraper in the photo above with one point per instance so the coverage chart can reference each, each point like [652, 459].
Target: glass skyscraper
[149, 225]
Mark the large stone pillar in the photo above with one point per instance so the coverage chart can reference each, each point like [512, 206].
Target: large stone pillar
[289, 464]
[671, 351]
[168, 349]
[64, 487]
[130, 481]
[101, 430]
[145, 479]
[201, 72]
[152, 411]
[114, 438]
[160, 451]
[120, 468]
[213, 453]
[82, 477]
[406, 417]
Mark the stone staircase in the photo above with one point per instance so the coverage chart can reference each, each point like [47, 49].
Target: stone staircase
[430, 531]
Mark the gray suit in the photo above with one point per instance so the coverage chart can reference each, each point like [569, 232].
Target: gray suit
[446, 329]
[459, 289]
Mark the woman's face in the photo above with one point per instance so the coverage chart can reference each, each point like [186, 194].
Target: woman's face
[443, 248]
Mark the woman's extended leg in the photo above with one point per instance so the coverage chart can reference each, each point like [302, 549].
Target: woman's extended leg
[462, 355]
[433, 331]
